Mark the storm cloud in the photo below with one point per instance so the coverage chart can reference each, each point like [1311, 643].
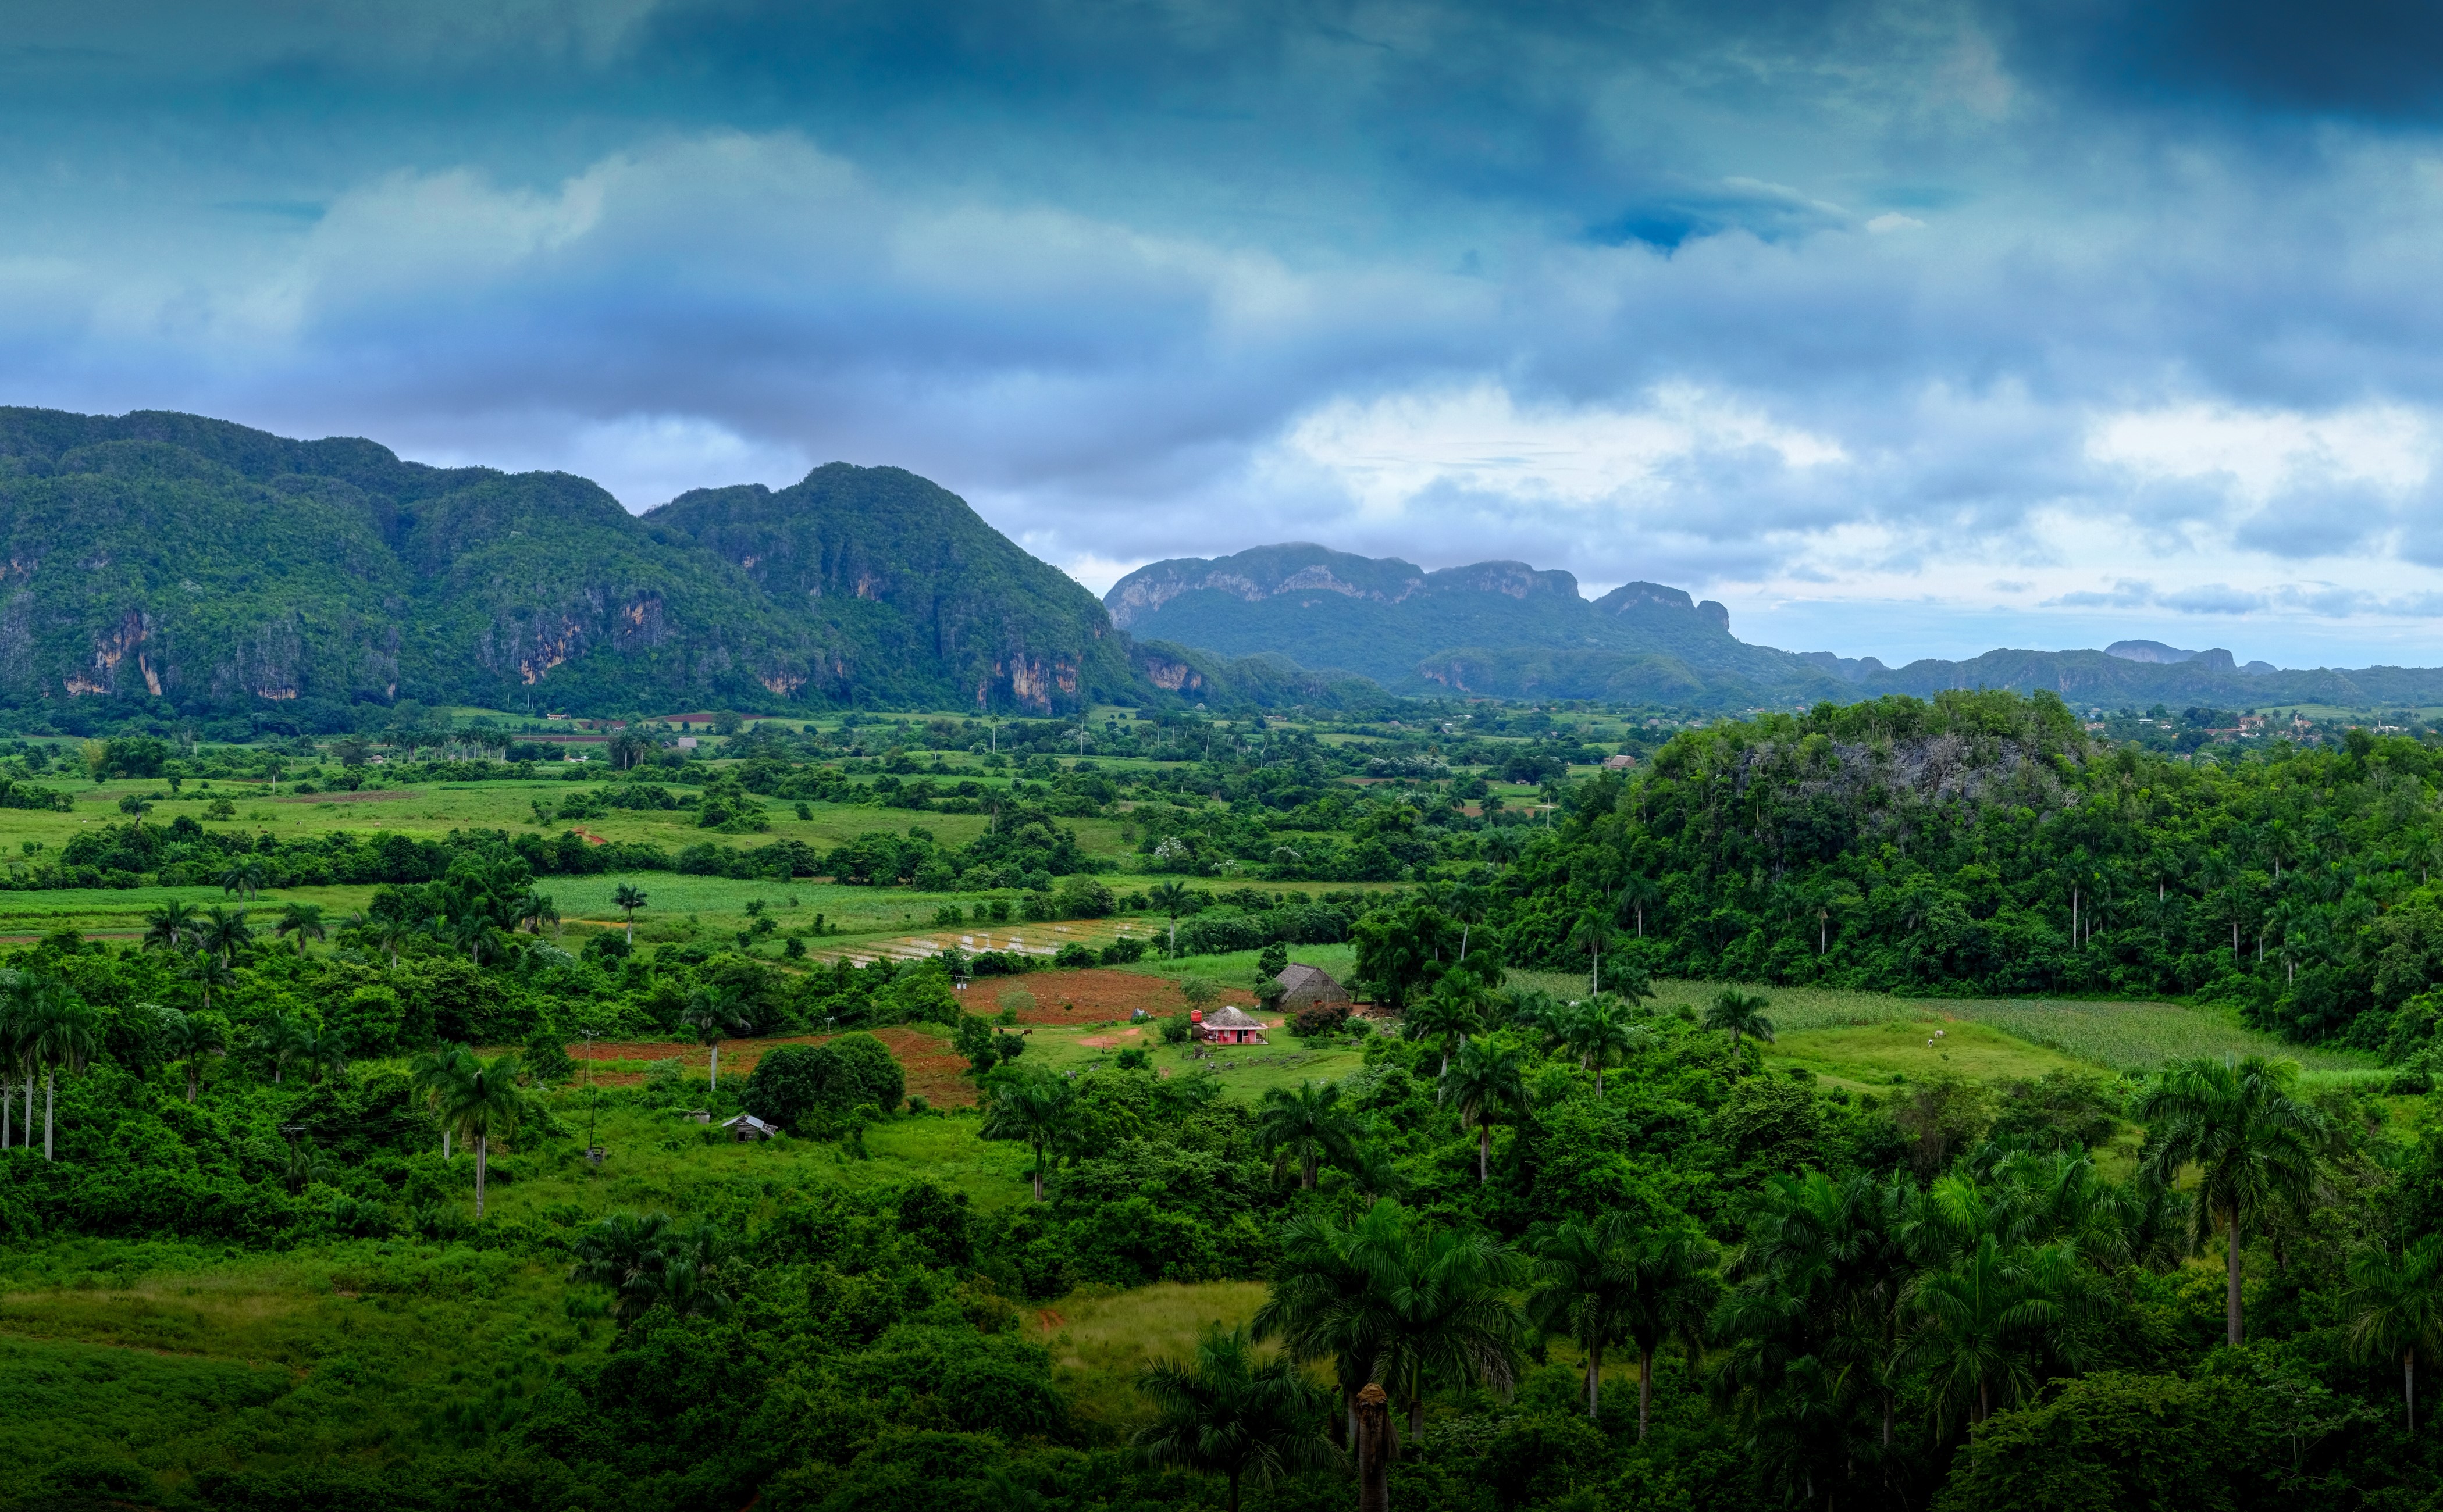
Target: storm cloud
[1904, 329]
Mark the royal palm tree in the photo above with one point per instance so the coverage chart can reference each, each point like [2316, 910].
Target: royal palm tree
[1307, 1127]
[1170, 898]
[1452, 1011]
[1487, 1081]
[1741, 1015]
[1582, 1279]
[1593, 933]
[1328, 1299]
[432, 1073]
[324, 1049]
[1035, 1106]
[2256, 1147]
[244, 877]
[711, 1015]
[1671, 1294]
[189, 1038]
[1468, 906]
[62, 1034]
[285, 1038]
[1229, 1414]
[386, 935]
[628, 897]
[535, 910]
[305, 920]
[1600, 1031]
[2397, 1309]
[16, 1053]
[469, 932]
[1451, 1315]
[480, 1103]
[209, 971]
[223, 933]
[171, 927]
[1987, 1322]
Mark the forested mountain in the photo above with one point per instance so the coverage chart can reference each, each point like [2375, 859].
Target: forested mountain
[156, 562]
[1504, 630]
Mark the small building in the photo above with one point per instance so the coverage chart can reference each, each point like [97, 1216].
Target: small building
[747, 1126]
[1619, 763]
[1307, 986]
[1228, 1025]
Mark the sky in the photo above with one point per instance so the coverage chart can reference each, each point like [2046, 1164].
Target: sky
[1907, 329]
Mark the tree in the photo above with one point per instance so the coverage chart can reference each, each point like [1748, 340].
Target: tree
[478, 1102]
[285, 1038]
[1307, 1127]
[1740, 1013]
[387, 935]
[305, 920]
[432, 1074]
[223, 933]
[628, 897]
[2397, 1309]
[171, 927]
[711, 1015]
[624, 1252]
[469, 931]
[60, 1035]
[1468, 906]
[189, 1038]
[244, 877]
[1670, 1300]
[2256, 1148]
[1451, 1014]
[1450, 1313]
[1487, 1080]
[1593, 933]
[1172, 899]
[1037, 1107]
[209, 971]
[1582, 1278]
[1986, 1320]
[1330, 1297]
[1230, 1415]
[535, 910]
[1600, 1031]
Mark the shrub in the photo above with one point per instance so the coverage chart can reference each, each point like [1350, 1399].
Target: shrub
[1074, 956]
[1083, 898]
[1174, 1029]
[662, 1077]
[547, 1057]
[796, 1079]
[1320, 1018]
[1123, 953]
[1134, 1060]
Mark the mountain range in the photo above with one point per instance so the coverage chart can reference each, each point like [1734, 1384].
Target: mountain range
[1505, 630]
[166, 562]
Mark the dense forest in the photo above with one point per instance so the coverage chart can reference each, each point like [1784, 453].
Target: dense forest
[1547, 1250]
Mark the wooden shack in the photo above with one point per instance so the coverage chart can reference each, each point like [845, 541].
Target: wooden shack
[747, 1126]
[1307, 986]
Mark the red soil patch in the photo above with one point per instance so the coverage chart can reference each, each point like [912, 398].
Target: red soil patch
[934, 1070]
[1090, 997]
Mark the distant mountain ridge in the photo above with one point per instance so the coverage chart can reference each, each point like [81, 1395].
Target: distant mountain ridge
[1507, 629]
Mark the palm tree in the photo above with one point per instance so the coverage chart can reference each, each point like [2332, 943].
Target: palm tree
[209, 971]
[172, 926]
[61, 1034]
[1582, 1279]
[1170, 898]
[2255, 1146]
[623, 1251]
[305, 920]
[244, 877]
[477, 1103]
[1306, 1127]
[323, 1049]
[2396, 1308]
[1670, 1300]
[1230, 1415]
[1987, 1322]
[1330, 1297]
[1601, 1033]
[1487, 1080]
[1037, 1107]
[1741, 1013]
[189, 1038]
[1451, 1318]
[224, 932]
[469, 932]
[1593, 933]
[386, 935]
[16, 1051]
[432, 1074]
[535, 910]
[712, 1016]
[628, 897]
[285, 1038]
[1468, 906]
[1451, 1014]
